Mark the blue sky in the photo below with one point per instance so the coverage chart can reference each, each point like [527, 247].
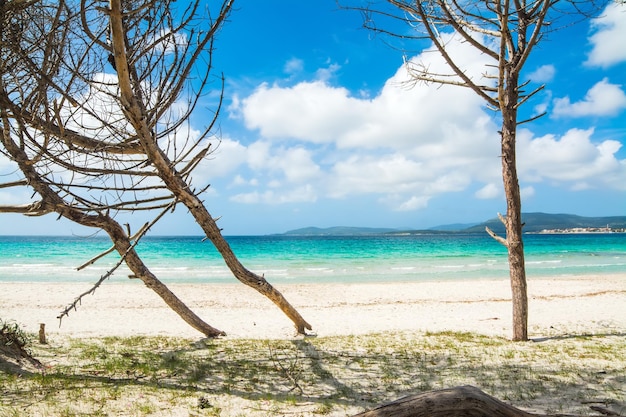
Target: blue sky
[320, 128]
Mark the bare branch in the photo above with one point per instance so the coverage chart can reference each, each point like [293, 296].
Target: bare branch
[499, 239]
[13, 184]
[92, 144]
[136, 238]
[33, 209]
[532, 118]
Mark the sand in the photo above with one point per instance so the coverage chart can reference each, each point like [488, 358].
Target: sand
[526, 375]
[581, 304]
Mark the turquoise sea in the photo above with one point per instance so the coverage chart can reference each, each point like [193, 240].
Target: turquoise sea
[322, 259]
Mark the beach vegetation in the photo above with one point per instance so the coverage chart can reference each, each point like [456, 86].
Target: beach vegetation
[505, 34]
[12, 337]
[312, 376]
[14, 347]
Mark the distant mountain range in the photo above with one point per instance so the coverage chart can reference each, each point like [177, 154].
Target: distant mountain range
[533, 222]
[536, 222]
[339, 231]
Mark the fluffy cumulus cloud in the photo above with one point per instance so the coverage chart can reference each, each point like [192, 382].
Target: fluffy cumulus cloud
[398, 117]
[603, 99]
[543, 74]
[290, 164]
[608, 37]
[225, 158]
[409, 142]
[294, 66]
[286, 172]
[302, 194]
[309, 111]
[489, 191]
[573, 159]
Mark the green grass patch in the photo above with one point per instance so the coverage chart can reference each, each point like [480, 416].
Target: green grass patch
[150, 376]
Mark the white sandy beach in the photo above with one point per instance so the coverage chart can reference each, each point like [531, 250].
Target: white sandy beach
[590, 304]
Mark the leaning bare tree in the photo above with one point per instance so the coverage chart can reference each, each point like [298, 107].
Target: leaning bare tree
[95, 101]
[505, 32]
[76, 171]
[139, 111]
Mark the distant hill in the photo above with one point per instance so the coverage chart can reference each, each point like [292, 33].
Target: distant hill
[338, 231]
[455, 227]
[536, 222]
[533, 222]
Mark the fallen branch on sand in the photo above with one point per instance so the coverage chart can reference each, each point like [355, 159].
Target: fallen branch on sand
[454, 402]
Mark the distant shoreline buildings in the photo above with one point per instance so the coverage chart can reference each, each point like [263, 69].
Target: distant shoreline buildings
[580, 230]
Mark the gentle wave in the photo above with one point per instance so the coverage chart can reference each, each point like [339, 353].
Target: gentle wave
[554, 261]
[327, 259]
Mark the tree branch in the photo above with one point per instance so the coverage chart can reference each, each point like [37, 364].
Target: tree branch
[500, 239]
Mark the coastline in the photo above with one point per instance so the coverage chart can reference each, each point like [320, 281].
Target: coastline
[590, 304]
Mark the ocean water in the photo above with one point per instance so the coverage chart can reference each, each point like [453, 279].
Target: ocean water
[322, 259]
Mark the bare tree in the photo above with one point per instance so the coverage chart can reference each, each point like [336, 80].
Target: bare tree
[505, 32]
[143, 119]
[95, 100]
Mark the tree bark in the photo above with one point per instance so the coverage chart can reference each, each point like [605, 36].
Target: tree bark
[115, 231]
[204, 219]
[135, 112]
[465, 401]
[513, 223]
[136, 265]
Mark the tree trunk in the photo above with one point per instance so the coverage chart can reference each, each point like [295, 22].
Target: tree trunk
[513, 224]
[135, 112]
[466, 401]
[114, 230]
[204, 219]
[136, 265]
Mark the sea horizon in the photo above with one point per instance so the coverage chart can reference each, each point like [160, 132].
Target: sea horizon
[315, 259]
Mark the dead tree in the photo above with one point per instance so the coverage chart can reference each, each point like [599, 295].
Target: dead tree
[94, 150]
[135, 105]
[465, 401]
[505, 32]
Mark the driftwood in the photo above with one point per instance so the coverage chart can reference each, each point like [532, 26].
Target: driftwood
[42, 333]
[465, 401]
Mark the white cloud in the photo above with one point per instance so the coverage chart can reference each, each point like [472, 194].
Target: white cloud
[297, 164]
[527, 192]
[168, 41]
[543, 74]
[608, 39]
[301, 194]
[603, 99]
[17, 196]
[258, 154]
[414, 203]
[294, 66]
[408, 143]
[247, 198]
[225, 159]
[239, 180]
[400, 116]
[6, 165]
[489, 191]
[570, 159]
[293, 164]
[378, 174]
[309, 111]
[325, 74]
